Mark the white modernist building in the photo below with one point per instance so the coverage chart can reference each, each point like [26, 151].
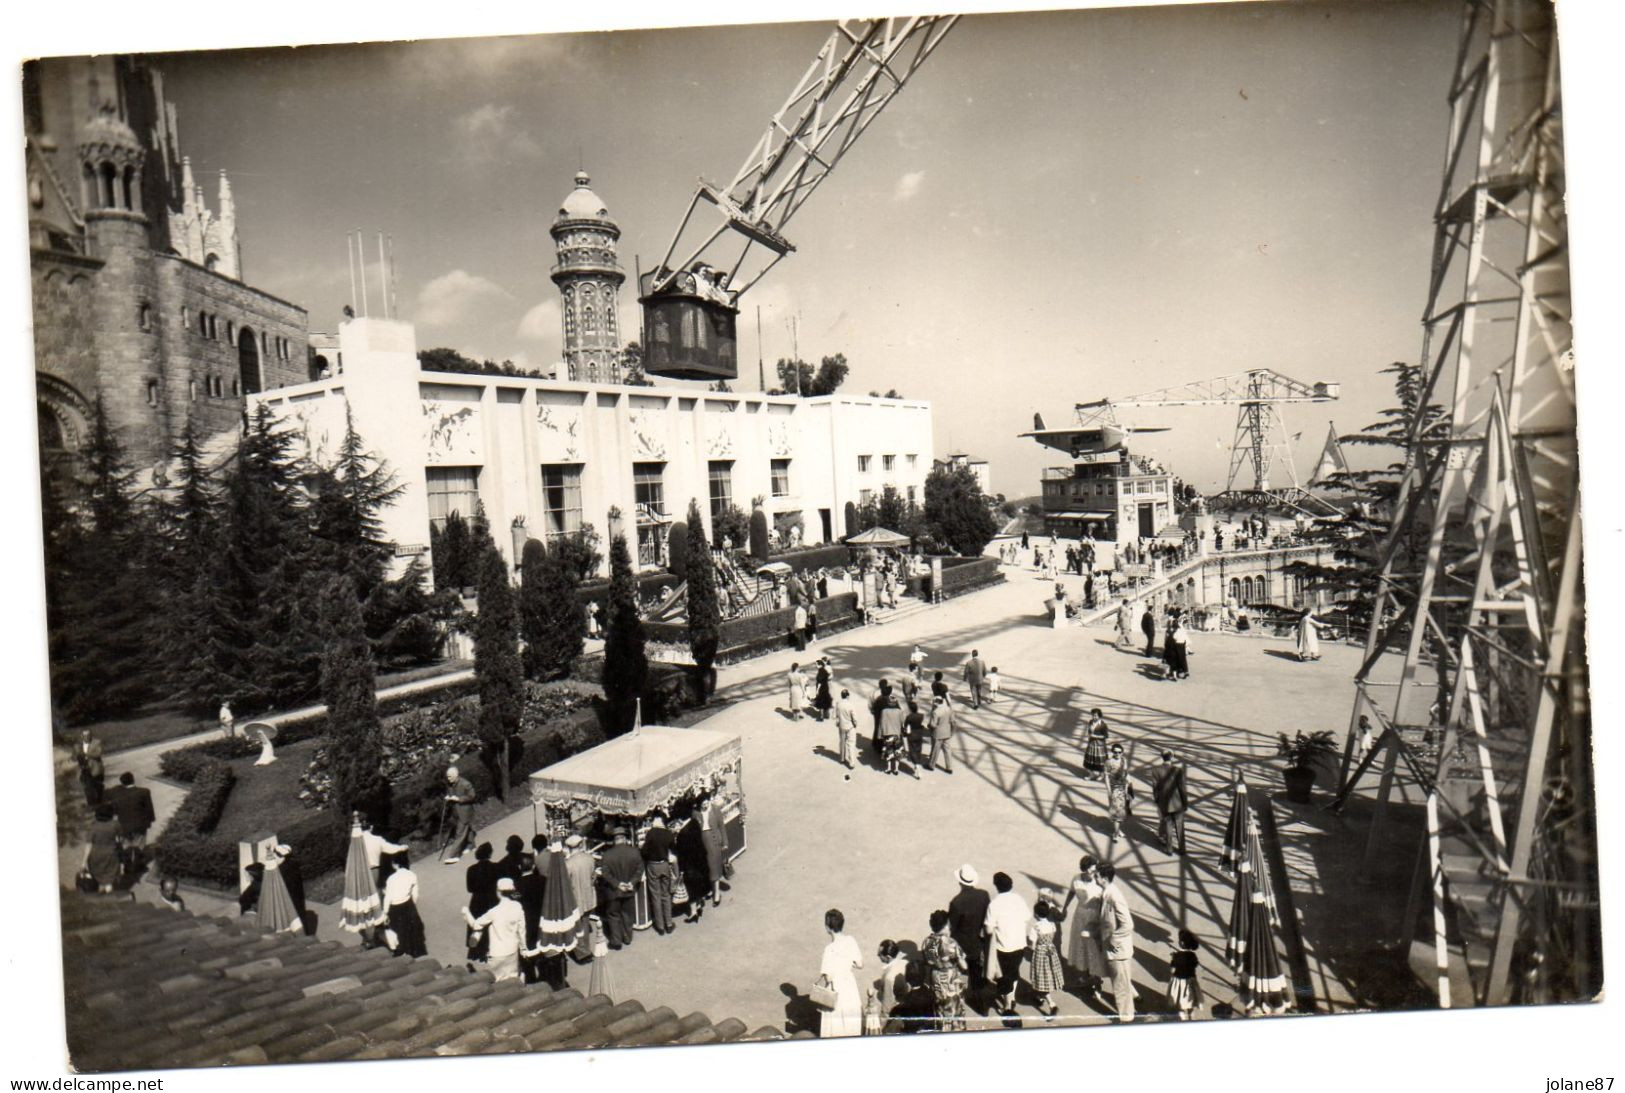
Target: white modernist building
[547, 456]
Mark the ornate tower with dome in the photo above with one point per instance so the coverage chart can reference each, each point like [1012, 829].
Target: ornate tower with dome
[589, 277]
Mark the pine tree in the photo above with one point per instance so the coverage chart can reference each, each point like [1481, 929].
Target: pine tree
[626, 668]
[704, 612]
[346, 498]
[496, 663]
[957, 512]
[401, 618]
[349, 689]
[103, 610]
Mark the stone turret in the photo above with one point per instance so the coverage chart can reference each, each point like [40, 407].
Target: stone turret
[589, 277]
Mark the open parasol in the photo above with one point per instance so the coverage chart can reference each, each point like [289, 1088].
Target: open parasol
[277, 912]
[361, 906]
[560, 925]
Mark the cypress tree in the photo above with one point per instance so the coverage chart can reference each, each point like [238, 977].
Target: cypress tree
[349, 689]
[453, 548]
[496, 663]
[556, 629]
[759, 548]
[626, 668]
[533, 574]
[704, 612]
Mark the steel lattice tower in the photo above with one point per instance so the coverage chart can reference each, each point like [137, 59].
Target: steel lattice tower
[1488, 714]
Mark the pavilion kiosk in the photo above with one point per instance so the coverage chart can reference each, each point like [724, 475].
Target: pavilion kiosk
[624, 781]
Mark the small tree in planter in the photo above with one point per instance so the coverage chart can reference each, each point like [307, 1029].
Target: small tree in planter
[1301, 753]
[677, 546]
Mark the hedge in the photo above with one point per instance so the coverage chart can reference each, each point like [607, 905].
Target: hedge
[181, 764]
[188, 845]
[969, 574]
[824, 556]
[755, 634]
[649, 585]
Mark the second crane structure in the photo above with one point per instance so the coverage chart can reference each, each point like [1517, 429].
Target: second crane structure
[1261, 441]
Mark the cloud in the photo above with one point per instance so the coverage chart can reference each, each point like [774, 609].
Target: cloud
[455, 296]
[541, 323]
[491, 132]
[908, 185]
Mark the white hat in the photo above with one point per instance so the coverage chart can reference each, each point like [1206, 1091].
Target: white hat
[967, 874]
[451, 772]
[504, 884]
[284, 849]
[573, 841]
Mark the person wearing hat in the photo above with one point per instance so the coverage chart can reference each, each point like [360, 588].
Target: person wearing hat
[504, 927]
[619, 870]
[582, 869]
[480, 881]
[460, 796]
[967, 924]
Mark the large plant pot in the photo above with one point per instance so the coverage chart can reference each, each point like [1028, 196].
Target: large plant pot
[1299, 781]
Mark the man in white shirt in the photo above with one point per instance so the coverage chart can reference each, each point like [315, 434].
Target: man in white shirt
[1116, 938]
[376, 846]
[846, 723]
[505, 927]
[1008, 918]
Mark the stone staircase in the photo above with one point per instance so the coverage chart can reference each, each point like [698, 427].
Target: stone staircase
[907, 606]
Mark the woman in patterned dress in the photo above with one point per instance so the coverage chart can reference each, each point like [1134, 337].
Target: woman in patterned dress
[1045, 971]
[1094, 752]
[945, 965]
[1117, 790]
[1083, 950]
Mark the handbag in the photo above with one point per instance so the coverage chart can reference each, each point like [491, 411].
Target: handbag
[822, 995]
[84, 881]
[679, 890]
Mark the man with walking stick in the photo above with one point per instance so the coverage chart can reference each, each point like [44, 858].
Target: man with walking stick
[460, 797]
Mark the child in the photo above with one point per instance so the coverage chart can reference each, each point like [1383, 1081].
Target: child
[992, 684]
[1183, 990]
[1046, 972]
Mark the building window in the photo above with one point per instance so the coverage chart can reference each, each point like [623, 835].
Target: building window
[231, 331]
[452, 489]
[722, 490]
[214, 327]
[888, 462]
[203, 323]
[779, 471]
[863, 464]
[865, 497]
[911, 496]
[143, 316]
[561, 497]
[913, 461]
[649, 489]
[152, 392]
[191, 390]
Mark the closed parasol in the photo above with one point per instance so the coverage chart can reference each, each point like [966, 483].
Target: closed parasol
[1235, 832]
[560, 927]
[361, 906]
[1263, 987]
[1241, 909]
[277, 912]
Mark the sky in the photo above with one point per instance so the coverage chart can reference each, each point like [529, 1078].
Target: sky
[1060, 207]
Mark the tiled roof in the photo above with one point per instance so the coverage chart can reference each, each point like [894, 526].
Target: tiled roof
[147, 987]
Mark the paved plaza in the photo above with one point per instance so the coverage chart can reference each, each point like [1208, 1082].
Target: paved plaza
[884, 850]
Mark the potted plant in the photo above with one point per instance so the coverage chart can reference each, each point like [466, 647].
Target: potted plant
[1301, 752]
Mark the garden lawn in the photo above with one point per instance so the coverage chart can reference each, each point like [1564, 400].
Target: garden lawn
[266, 799]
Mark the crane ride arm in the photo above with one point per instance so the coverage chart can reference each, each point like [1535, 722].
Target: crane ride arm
[862, 66]
[1258, 385]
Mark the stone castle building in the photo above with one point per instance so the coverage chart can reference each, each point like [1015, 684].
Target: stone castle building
[138, 289]
[589, 277]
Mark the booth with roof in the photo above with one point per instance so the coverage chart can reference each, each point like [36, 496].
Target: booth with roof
[627, 780]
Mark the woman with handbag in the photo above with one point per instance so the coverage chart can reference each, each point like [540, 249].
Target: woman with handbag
[1117, 790]
[836, 992]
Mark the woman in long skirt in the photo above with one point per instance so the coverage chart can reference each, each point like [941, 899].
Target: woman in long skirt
[842, 958]
[823, 701]
[1117, 790]
[1094, 752]
[1179, 665]
[798, 692]
[405, 929]
[1308, 636]
[945, 965]
[1083, 950]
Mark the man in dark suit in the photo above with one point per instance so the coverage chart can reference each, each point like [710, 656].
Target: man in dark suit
[1168, 790]
[967, 922]
[532, 886]
[619, 870]
[132, 804]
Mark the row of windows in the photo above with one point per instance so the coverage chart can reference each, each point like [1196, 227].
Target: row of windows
[1102, 488]
[887, 462]
[208, 326]
[213, 387]
[866, 496]
[457, 489]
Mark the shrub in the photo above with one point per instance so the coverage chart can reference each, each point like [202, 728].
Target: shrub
[758, 534]
[188, 846]
[184, 764]
[827, 556]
